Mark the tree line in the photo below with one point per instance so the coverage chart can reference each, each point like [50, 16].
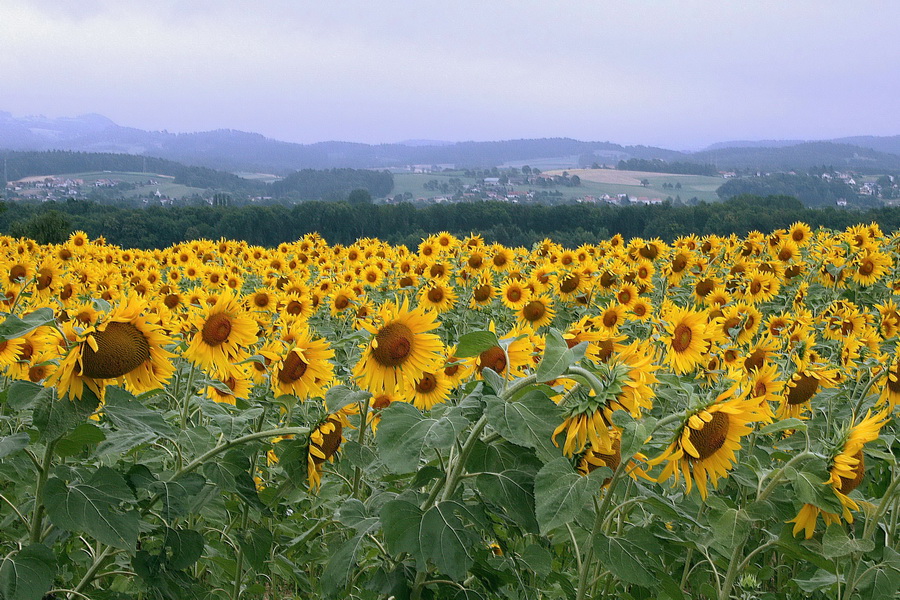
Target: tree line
[812, 191]
[661, 166]
[343, 222]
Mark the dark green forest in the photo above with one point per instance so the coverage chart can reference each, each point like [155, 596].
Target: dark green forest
[342, 222]
[660, 166]
[811, 191]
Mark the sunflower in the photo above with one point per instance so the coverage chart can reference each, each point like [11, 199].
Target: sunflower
[537, 313]
[231, 386]
[687, 339]
[514, 359]
[514, 294]
[430, 389]
[401, 349]
[482, 294]
[324, 442]
[890, 393]
[803, 385]
[457, 369]
[611, 318]
[223, 331]
[704, 447]
[845, 474]
[592, 459]
[437, 296]
[304, 368]
[124, 345]
[870, 266]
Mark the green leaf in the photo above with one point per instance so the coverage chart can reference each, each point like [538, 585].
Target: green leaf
[783, 425]
[232, 473]
[184, 547]
[357, 455]
[560, 493]
[232, 422]
[94, 507]
[809, 488]
[27, 574]
[513, 492]
[633, 437]
[557, 357]
[625, 559]
[836, 543]
[404, 431]
[538, 559]
[446, 540]
[340, 396]
[493, 380]
[13, 443]
[54, 417]
[475, 342]
[821, 579]
[24, 394]
[402, 521]
[14, 327]
[731, 528]
[86, 434]
[352, 513]
[529, 421]
[472, 406]
[129, 415]
[178, 495]
[257, 545]
[879, 583]
[337, 570]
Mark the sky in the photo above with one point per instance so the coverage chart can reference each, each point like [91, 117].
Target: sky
[673, 73]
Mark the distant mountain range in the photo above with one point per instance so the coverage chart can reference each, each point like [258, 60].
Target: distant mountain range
[237, 151]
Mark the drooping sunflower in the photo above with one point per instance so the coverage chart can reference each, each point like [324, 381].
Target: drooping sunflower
[401, 349]
[324, 442]
[304, 368]
[231, 386]
[123, 346]
[803, 385]
[592, 459]
[223, 332]
[704, 448]
[846, 471]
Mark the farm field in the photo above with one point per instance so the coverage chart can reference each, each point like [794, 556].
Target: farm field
[712, 418]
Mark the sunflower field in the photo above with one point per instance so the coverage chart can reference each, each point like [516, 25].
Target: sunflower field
[710, 418]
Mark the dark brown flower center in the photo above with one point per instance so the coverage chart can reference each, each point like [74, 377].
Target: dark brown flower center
[712, 437]
[534, 311]
[805, 388]
[514, 294]
[330, 442]
[569, 284]
[704, 287]
[216, 329]
[393, 344]
[261, 299]
[292, 369]
[427, 384]
[341, 302]
[493, 358]
[681, 338]
[121, 348]
[436, 295]
[16, 272]
[482, 293]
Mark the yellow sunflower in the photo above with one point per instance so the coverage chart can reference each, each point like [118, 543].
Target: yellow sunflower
[324, 442]
[803, 385]
[705, 447]
[846, 471]
[305, 368]
[430, 389]
[437, 296]
[686, 341]
[401, 349]
[223, 331]
[537, 312]
[124, 345]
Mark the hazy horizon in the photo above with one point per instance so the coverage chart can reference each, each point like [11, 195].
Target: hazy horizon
[675, 74]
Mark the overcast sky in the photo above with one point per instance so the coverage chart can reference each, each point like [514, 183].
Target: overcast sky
[672, 73]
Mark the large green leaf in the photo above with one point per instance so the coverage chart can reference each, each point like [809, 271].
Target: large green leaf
[337, 570]
[836, 543]
[626, 559]
[184, 546]
[446, 540]
[129, 415]
[54, 417]
[529, 421]
[230, 421]
[404, 431]
[257, 544]
[475, 342]
[560, 493]
[558, 357]
[27, 574]
[178, 495]
[402, 521]
[731, 528]
[13, 326]
[340, 396]
[812, 489]
[24, 394]
[513, 491]
[13, 443]
[95, 507]
[84, 435]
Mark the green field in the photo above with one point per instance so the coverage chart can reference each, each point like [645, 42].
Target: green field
[166, 183]
[703, 188]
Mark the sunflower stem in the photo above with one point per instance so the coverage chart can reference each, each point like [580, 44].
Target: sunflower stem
[94, 568]
[732, 572]
[43, 474]
[776, 477]
[457, 467]
[599, 518]
[239, 562]
[361, 439]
